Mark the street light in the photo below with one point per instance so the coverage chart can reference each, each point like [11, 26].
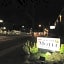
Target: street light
[39, 25]
[4, 28]
[1, 21]
[23, 26]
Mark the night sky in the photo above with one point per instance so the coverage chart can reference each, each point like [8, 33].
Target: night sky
[30, 12]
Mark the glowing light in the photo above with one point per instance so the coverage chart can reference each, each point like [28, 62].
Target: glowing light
[39, 25]
[52, 27]
[1, 21]
[22, 26]
[4, 27]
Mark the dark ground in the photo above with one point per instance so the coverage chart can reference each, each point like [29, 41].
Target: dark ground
[12, 58]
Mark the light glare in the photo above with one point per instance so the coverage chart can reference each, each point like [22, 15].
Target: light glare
[1, 21]
[52, 27]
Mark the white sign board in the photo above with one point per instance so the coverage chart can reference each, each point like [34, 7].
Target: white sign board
[52, 44]
[52, 27]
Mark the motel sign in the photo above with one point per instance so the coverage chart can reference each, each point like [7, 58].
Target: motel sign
[52, 44]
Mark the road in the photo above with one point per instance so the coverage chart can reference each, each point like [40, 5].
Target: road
[13, 57]
[10, 47]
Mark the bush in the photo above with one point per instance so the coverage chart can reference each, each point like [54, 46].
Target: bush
[33, 50]
[55, 57]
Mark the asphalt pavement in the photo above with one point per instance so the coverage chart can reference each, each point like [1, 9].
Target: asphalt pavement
[10, 50]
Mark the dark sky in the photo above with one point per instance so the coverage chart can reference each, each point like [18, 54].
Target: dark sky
[28, 12]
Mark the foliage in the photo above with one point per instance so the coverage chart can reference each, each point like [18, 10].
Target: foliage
[26, 49]
[55, 57]
[33, 50]
[62, 48]
[30, 49]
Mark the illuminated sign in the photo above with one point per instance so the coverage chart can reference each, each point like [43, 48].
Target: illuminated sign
[52, 27]
[52, 44]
